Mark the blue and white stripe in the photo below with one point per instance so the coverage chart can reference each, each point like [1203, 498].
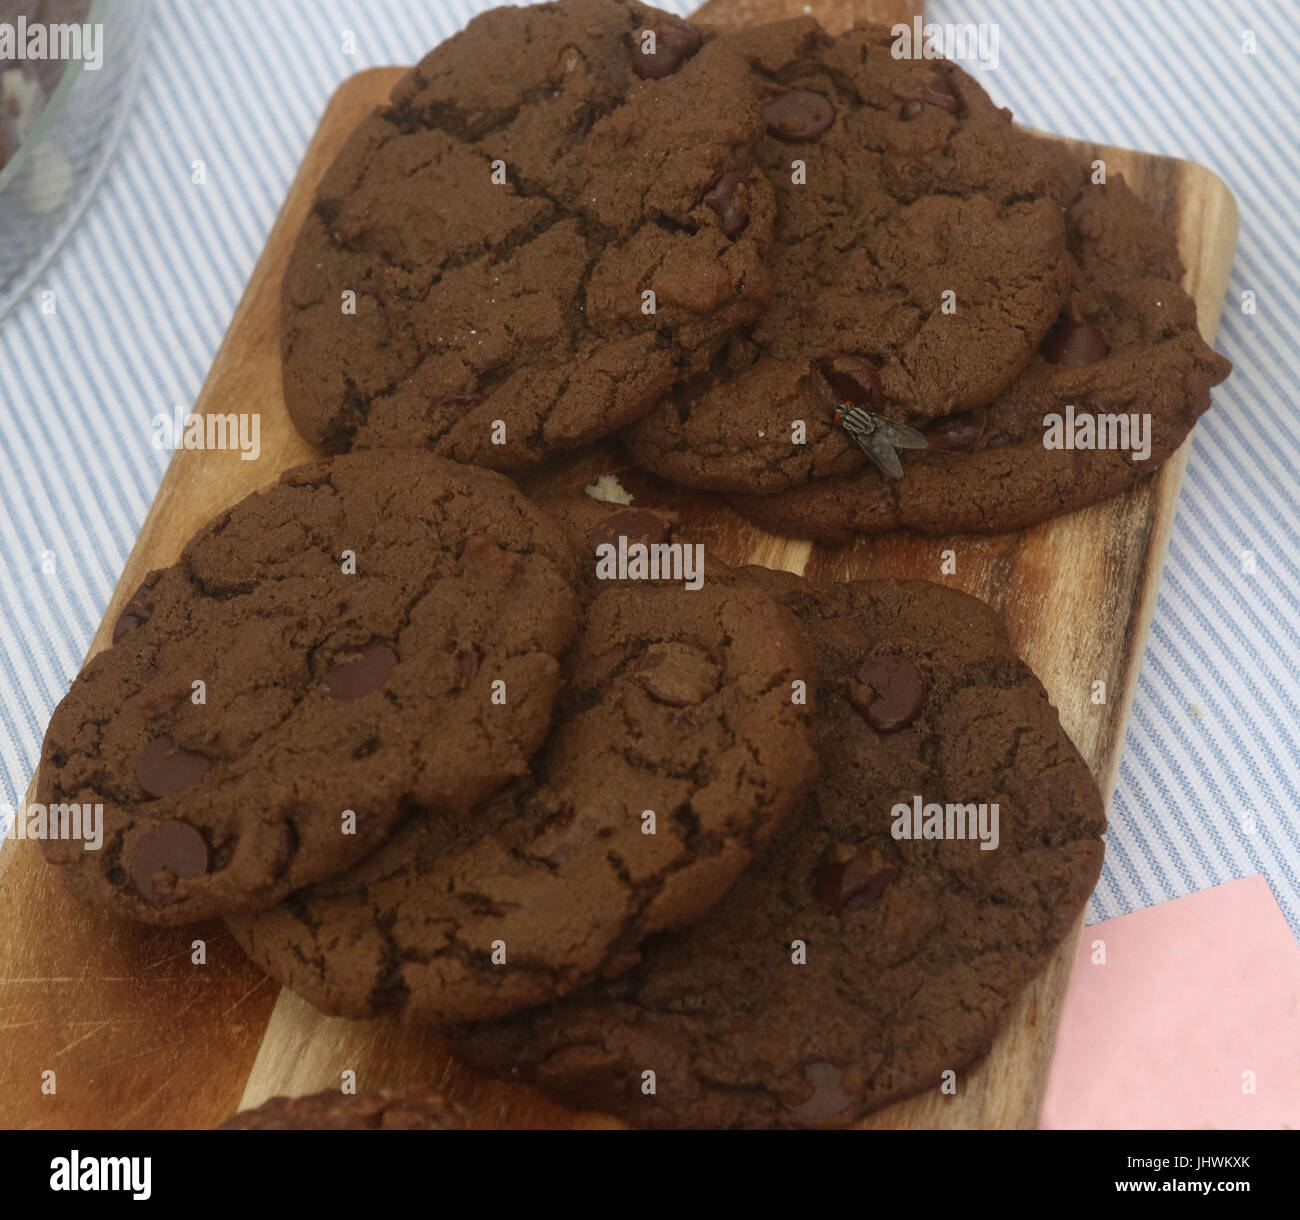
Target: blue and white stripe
[148, 284]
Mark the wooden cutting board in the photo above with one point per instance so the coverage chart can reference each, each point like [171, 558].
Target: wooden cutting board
[139, 1036]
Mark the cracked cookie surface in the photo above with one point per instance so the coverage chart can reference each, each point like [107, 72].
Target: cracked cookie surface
[322, 690]
[917, 186]
[915, 949]
[523, 301]
[1126, 343]
[676, 702]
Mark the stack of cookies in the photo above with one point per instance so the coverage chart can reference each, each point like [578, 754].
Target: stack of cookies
[792, 850]
[838, 286]
[738, 850]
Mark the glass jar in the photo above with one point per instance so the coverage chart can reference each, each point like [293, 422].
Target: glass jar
[64, 96]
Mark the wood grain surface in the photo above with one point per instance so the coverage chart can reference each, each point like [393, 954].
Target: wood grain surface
[139, 1036]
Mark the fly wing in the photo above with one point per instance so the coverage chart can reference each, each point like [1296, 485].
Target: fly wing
[900, 436]
[878, 448]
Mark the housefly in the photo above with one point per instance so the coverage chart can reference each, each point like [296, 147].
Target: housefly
[879, 438]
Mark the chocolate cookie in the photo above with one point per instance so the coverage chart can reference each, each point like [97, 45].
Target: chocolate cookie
[1126, 346]
[501, 224]
[920, 258]
[420, 1110]
[371, 634]
[677, 748]
[914, 949]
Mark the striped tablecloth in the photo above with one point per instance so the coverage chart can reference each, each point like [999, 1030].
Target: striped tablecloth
[148, 284]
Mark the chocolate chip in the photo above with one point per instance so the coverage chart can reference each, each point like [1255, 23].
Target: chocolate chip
[674, 45]
[634, 526]
[173, 849]
[852, 879]
[941, 93]
[460, 401]
[483, 549]
[126, 621]
[677, 675]
[560, 838]
[136, 612]
[798, 117]
[726, 198]
[362, 675]
[958, 433]
[852, 379]
[468, 661]
[162, 769]
[496, 909]
[938, 92]
[1073, 341]
[561, 854]
[889, 691]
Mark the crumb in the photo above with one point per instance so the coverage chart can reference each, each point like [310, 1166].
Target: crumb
[609, 490]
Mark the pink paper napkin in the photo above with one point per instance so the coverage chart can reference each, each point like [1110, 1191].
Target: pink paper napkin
[1192, 1022]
